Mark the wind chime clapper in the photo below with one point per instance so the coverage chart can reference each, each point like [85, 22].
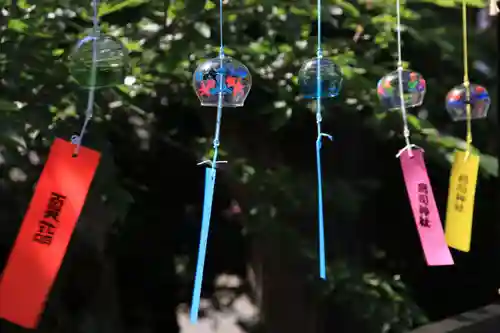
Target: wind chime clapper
[219, 82]
[320, 78]
[97, 61]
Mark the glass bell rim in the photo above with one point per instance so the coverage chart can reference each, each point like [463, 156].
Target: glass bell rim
[202, 61]
[229, 105]
[89, 38]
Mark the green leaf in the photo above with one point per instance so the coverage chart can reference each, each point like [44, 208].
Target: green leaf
[210, 5]
[17, 25]
[57, 52]
[7, 106]
[349, 8]
[106, 8]
[489, 164]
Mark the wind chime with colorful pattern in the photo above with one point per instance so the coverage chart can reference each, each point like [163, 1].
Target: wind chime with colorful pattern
[404, 89]
[465, 102]
[219, 82]
[400, 90]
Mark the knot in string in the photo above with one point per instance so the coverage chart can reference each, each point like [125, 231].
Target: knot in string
[319, 118]
[216, 143]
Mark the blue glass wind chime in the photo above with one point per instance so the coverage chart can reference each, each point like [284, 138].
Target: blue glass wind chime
[320, 78]
[219, 82]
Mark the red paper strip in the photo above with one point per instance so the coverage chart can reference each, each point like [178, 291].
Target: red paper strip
[45, 233]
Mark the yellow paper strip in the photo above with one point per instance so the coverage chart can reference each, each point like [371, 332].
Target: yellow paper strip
[460, 209]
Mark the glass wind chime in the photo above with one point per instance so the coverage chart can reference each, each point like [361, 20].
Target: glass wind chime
[60, 192]
[400, 90]
[219, 82]
[97, 61]
[465, 102]
[320, 78]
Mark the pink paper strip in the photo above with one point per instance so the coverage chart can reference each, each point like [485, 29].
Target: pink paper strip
[424, 209]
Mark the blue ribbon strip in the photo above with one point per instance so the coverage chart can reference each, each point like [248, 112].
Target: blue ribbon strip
[207, 212]
[319, 93]
[202, 248]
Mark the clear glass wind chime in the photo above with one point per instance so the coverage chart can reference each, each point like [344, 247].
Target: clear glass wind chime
[97, 61]
[60, 192]
[320, 78]
[219, 82]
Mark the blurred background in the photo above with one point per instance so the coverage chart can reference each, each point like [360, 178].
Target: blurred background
[130, 263]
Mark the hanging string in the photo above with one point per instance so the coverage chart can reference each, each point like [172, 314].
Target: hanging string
[319, 119]
[77, 139]
[209, 185]
[466, 79]
[406, 129]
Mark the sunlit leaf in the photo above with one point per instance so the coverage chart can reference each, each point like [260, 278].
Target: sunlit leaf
[17, 25]
[107, 8]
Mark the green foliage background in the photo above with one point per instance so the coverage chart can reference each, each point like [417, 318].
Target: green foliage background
[154, 131]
